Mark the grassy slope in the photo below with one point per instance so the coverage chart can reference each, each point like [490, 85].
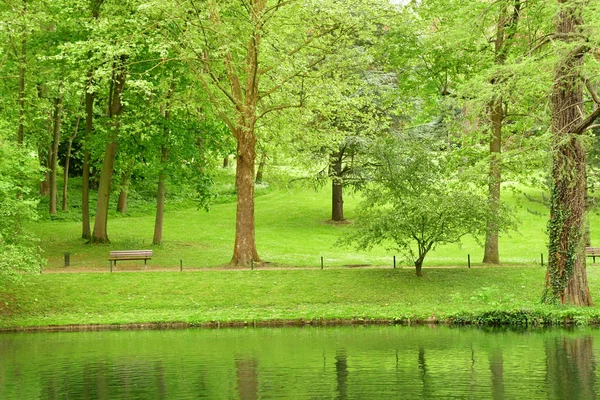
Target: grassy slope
[204, 296]
[291, 231]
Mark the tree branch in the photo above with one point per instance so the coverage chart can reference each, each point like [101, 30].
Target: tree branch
[301, 46]
[289, 78]
[590, 89]
[279, 108]
[586, 123]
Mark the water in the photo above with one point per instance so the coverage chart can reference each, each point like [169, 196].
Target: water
[302, 363]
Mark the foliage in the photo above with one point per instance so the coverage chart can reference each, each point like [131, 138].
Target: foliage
[18, 249]
[418, 200]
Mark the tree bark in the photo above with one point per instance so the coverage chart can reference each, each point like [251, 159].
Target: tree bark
[505, 30]
[86, 231]
[54, 153]
[244, 250]
[122, 202]
[566, 277]
[261, 167]
[337, 186]
[491, 254]
[100, 233]
[22, 61]
[164, 156]
[419, 267]
[67, 161]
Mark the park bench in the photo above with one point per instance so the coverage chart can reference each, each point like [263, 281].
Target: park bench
[592, 252]
[129, 255]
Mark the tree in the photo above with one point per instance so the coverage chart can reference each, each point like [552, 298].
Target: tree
[246, 52]
[418, 199]
[566, 277]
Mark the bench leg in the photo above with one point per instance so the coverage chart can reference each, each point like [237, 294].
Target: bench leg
[594, 259]
[145, 259]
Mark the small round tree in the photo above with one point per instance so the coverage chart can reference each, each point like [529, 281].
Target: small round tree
[419, 197]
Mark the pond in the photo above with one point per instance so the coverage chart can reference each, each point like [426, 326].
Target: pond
[364, 362]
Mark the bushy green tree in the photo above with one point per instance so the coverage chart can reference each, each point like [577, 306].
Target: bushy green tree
[18, 250]
[420, 196]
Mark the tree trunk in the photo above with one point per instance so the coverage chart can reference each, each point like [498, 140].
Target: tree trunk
[44, 159]
[22, 61]
[419, 266]
[160, 209]
[491, 255]
[244, 250]
[54, 154]
[160, 195]
[122, 202]
[100, 234]
[86, 231]
[261, 167]
[566, 277]
[337, 200]
[505, 30]
[67, 161]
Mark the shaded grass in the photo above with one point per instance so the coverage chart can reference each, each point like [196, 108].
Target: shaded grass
[263, 295]
[291, 230]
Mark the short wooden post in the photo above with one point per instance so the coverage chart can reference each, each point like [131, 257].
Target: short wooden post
[469, 260]
[542, 258]
[180, 265]
[321, 262]
[394, 262]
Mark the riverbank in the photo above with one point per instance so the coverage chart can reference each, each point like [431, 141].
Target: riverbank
[505, 295]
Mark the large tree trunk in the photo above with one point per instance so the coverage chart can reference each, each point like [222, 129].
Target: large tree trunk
[337, 186]
[566, 277]
[54, 153]
[491, 255]
[100, 234]
[86, 231]
[244, 250]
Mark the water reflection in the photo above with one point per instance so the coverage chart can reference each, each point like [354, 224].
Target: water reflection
[571, 367]
[341, 373]
[341, 363]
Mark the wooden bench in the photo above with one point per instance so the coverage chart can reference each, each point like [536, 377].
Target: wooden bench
[129, 255]
[592, 252]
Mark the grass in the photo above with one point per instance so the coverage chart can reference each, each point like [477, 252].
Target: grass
[466, 295]
[291, 232]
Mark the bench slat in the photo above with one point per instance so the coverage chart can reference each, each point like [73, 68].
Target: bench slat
[117, 255]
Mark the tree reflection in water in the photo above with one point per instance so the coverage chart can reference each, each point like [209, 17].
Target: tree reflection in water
[247, 378]
[570, 367]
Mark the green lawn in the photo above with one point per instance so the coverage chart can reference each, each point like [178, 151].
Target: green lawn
[473, 295]
[291, 230]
